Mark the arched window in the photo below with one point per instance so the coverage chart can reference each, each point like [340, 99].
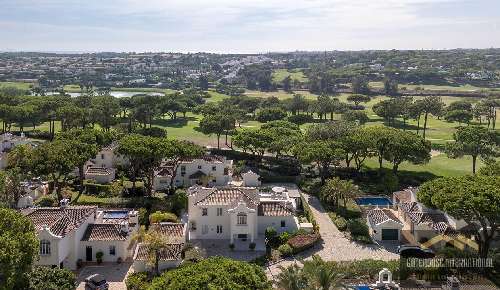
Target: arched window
[44, 247]
[242, 218]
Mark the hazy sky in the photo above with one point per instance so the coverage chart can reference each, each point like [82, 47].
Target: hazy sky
[247, 26]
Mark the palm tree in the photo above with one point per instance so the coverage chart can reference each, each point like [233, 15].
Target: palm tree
[155, 243]
[336, 189]
[291, 278]
[322, 275]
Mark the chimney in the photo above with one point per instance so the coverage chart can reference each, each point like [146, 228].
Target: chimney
[452, 283]
[64, 203]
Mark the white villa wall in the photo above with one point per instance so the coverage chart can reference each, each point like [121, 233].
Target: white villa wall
[376, 230]
[161, 182]
[291, 223]
[205, 167]
[251, 179]
[53, 258]
[250, 229]
[101, 179]
[211, 220]
[121, 250]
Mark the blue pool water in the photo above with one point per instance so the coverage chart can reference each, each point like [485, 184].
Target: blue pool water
[362, 288]
[115, 214]
[380, 201]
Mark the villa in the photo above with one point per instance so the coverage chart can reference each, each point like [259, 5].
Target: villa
[74, 234]
[7, 142]
[208, 170]
[32, 190]
[239, 214]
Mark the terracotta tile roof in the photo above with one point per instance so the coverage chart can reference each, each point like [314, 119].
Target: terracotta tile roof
[226, 196]
[104, 232]
[60, 221]
[172, 253]
[98, 171]
[274, 209]
[175, 230]
[402, 196]
[378, 216]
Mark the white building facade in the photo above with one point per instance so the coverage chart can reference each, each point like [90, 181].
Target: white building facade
[238, 213]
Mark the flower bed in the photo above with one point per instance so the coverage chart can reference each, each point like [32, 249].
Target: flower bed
[303, 242]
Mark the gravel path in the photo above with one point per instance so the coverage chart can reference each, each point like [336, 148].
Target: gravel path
[335, 246]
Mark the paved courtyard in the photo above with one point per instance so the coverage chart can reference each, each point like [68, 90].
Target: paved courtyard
[114, 273]
[221, 248]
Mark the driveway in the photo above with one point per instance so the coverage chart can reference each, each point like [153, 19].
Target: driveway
[114, 273]
[335, 246]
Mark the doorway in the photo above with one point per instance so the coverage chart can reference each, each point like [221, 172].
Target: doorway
[88, 252]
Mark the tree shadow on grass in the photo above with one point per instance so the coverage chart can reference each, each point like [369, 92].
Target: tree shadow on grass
[175, 123]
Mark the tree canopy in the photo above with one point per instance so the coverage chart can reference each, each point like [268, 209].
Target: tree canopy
[47, 278]
[476, 199]
[20, 249]
[213, 273]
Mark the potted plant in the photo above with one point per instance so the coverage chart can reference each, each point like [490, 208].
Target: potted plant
[252, 246]
[119, 260]
[98, 257]
[79, 263]
[231, 246]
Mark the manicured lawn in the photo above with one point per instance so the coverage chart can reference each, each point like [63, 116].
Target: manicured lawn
[295, 74]
[76, 89]
[280, 94]
[460, 88]
[439, 165]
[19, 85]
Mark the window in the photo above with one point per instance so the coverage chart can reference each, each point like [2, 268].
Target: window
[44, 248]
[102, 156]
[219, 229]
[183, 170]
[214, 168]
[226, 171]
[199, 166]
[204, 229]
[204, 211]
[112, 250]
[193, 225]
[242, 219]
[219, 211]
[283, 224]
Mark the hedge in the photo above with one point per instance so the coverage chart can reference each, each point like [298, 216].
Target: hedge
[308, 213]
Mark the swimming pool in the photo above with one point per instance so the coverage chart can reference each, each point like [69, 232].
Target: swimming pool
[374, 201]
[115, 214]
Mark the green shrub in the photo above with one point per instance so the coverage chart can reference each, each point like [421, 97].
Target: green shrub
[103, 190]
[270, 233]
[46, 278]
[285, 250]
[300, 119]
[284, 237]
[340, 223]
[158, 217]
[366, 269]
[137, 281]
[143, 216]
[358, 227]
[98, 256]
[213, 273]
[47, 201]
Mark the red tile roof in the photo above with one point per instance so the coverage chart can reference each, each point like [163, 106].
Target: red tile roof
[104, 232]
[226, 196]
[98, 171]
[175, 230]
[172, 253]
[274, 209]
[60, 221]
[378, 216]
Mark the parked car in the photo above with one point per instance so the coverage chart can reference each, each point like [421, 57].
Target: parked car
[96, 282]
[411, 251]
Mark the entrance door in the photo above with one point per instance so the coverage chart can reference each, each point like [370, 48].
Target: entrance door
[389, 234]
[89, 253]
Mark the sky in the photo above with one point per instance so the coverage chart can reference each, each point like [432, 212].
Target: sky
[246, 26]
